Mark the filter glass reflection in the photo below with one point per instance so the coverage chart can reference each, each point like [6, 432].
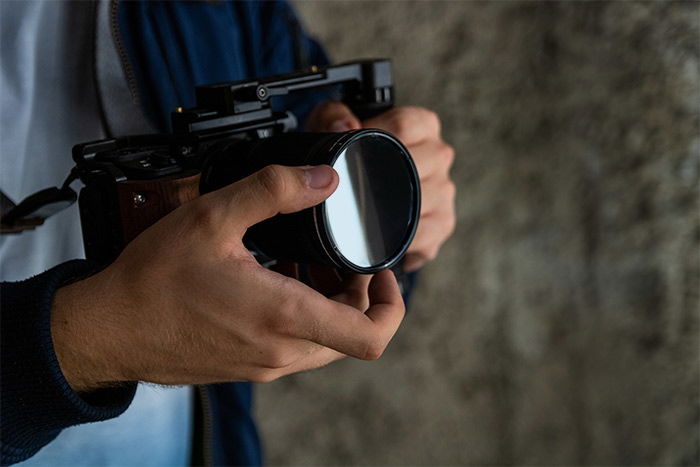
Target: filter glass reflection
[369, 214]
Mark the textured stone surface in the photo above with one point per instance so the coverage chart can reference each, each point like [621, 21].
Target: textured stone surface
[560, 324]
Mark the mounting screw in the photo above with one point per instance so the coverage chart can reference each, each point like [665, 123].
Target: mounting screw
[139, 199]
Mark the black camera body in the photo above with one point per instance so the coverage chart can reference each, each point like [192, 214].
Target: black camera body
[131, 182]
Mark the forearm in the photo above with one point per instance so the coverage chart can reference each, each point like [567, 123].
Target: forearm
[87, 344]
[37, 401]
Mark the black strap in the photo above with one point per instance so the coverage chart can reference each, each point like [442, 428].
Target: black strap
[7, 206]
[33, 210]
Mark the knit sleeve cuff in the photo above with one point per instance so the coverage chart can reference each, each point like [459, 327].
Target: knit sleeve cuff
[37, 401]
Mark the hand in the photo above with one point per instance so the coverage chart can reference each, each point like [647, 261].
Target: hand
[419, 130]
[186, 303]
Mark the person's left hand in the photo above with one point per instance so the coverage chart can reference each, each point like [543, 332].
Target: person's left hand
[419, 130]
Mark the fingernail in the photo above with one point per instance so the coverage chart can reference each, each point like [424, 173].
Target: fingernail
[340, 125]
[319, 177]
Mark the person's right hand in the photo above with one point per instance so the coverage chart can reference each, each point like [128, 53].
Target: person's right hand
[186, 303]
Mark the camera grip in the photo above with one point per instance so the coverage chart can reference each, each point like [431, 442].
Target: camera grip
[143, 202]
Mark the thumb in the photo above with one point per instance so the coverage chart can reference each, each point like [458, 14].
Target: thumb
[277, 189]
[332, 117]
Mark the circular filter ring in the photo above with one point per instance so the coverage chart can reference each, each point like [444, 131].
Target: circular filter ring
[321, 218]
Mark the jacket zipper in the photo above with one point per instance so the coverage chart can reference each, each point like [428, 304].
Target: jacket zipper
[207, 425]
[123, 56]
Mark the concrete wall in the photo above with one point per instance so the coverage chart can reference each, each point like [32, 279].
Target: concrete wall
[560, 324]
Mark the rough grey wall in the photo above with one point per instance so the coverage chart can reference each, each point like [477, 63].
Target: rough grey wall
[560, 324]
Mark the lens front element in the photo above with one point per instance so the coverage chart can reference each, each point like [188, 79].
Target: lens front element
[373, 213]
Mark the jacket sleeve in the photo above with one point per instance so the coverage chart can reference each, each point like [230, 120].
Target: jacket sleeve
[37, 402]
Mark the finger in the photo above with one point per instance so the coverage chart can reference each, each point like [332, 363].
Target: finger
[350, 289]
[428, 238]
[432, 157]
[332, 117]
[382, 320]
[344, 328]
[275, 189]
[411, 125]
[320, 356]
[354, 291]
[413, 262]
[437, 195]
[325, 279]
[433, 230]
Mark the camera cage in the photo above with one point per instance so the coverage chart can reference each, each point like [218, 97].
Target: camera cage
[113, 170]
[132, 181]
[232, 109]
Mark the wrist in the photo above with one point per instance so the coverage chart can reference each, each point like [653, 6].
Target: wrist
[82, 339]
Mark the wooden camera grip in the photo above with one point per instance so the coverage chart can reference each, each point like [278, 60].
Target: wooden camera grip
[143, 202]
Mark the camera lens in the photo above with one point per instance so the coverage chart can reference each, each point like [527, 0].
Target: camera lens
[366, 225]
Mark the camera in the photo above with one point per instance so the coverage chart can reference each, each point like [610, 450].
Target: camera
[235, 130]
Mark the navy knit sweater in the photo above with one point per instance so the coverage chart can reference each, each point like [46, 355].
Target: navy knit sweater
[37, 402]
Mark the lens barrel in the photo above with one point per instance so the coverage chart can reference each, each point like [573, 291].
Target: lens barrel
[365, 226]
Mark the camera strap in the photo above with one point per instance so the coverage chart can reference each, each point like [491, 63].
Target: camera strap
[121, 115]
[33, 210]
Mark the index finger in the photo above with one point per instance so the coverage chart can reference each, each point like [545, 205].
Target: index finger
[348, 330]
[411, 125]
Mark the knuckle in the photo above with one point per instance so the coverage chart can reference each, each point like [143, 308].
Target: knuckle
[451, 190]
[451, 225]
[336, 108]
[432, 252]
[432, 118]
[203, 214]
[450, 228]
[272, 181]
[400, 121]
[448, 155]
[275, 358]
[324, 112]
[263, 376]
[283, 321]
[373, 349]
[326, 107]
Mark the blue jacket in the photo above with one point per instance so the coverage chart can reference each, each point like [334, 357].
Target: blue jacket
[164, 50]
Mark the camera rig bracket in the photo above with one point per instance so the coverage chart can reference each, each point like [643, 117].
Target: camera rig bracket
[233, 109]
